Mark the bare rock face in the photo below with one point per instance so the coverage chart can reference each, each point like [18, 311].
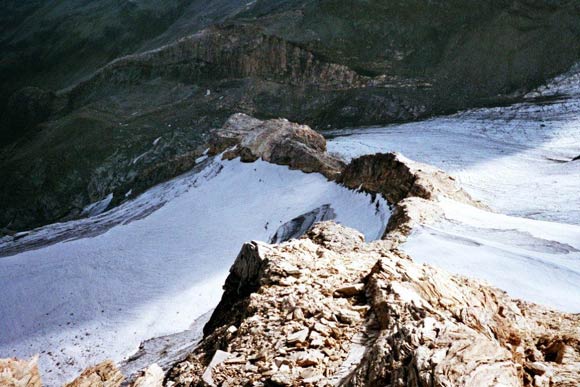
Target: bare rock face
[277, 141]
[19, 373]
[437, 330]
[104, 374]
[330, 309]
[397, 178]
[408, 213]
[412, 188]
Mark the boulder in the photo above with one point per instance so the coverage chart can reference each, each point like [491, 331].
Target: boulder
[277, 141]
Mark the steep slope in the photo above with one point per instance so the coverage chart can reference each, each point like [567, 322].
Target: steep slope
[395, 61]
[54, 44]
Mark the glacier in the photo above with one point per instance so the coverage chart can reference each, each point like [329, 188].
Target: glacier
[85, 290]
[152, 266]
[519, 160]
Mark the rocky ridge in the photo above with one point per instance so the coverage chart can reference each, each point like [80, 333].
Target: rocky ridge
[330, 309]
[277, 141]
[410, 187]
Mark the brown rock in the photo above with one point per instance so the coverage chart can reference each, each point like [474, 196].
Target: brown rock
[421, 327]
[350, 290]
[104, 374]
[396, 178]
[218, 358]
[281, 379]
[297, 337]
[19, 373]
[276, 141]
[307, 358]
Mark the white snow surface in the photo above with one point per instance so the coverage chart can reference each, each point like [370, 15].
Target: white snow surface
[82, 300]
[533, 260]
[82, 291]
[517, 160]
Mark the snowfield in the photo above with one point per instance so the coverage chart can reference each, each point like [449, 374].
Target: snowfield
[86, 290]
[533, 260]
[517, 160]
[79, 301]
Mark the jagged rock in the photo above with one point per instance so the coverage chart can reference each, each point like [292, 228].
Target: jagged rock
[410, 212]
[297, 337]
[277, 141]
[19, 373]
[104, 374]
[419, 326]
[243, 280]
[396, 177]
[350, 290]
[152, 376]
[218, 358]
[411, 187]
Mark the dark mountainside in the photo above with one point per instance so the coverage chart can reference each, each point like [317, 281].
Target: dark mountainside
[81, 120]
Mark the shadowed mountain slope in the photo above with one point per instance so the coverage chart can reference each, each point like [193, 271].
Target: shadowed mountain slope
[88, 129]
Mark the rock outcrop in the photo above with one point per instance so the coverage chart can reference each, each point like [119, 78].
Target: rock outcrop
[396, 178]
[104, 374]
[19, 373]
[276, 141]
[330, 309]
[410, 187]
